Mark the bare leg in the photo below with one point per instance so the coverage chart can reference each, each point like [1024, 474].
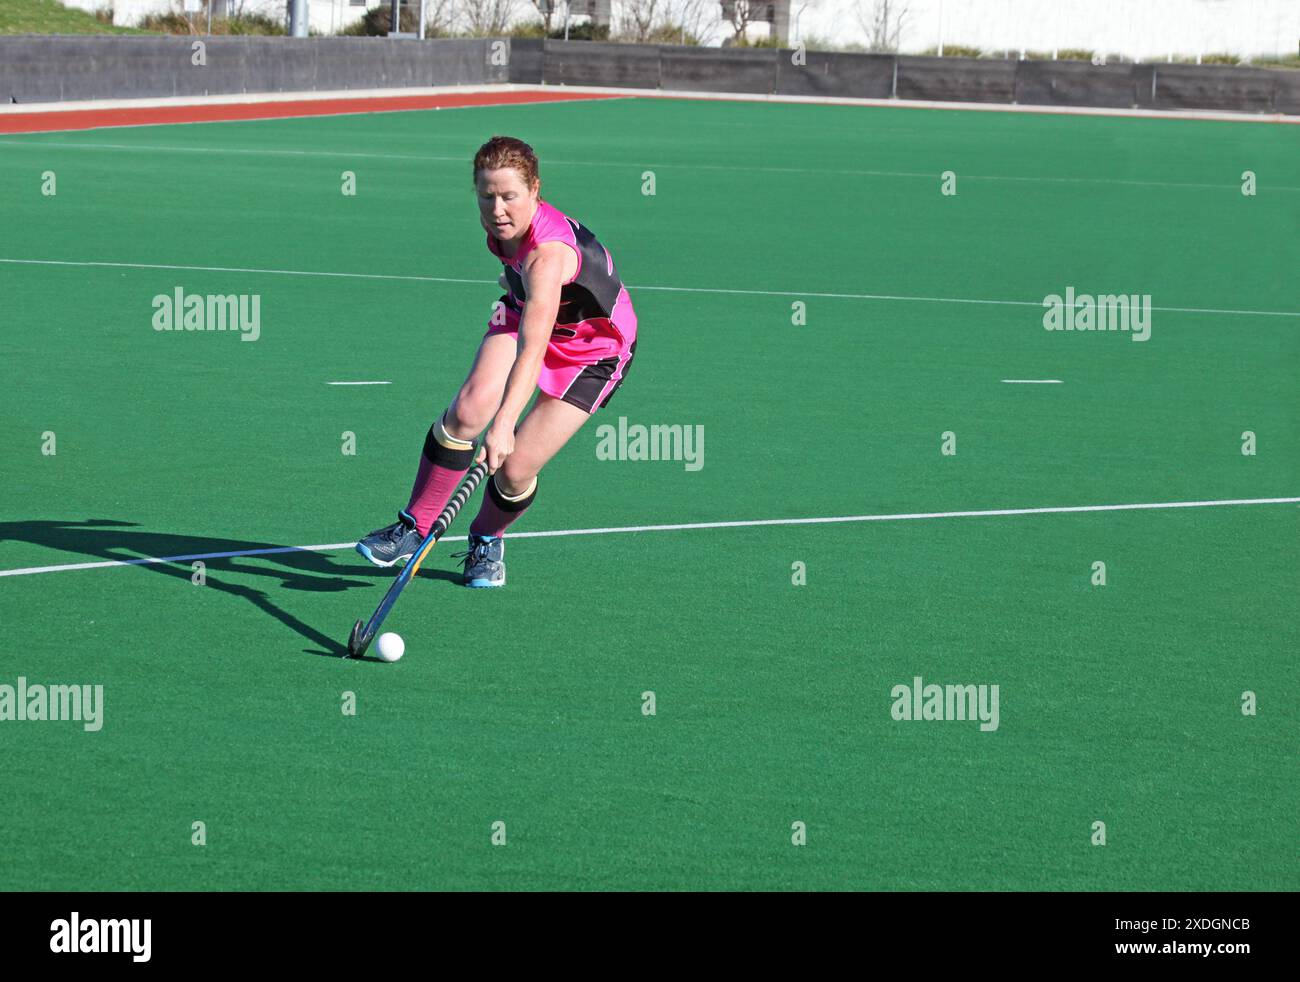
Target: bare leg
[480, 395]
[548, 426]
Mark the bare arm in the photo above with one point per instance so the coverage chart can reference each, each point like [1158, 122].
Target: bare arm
[548, 267]
[542, 280]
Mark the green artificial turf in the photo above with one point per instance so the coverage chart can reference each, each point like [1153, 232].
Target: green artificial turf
[1118, 703]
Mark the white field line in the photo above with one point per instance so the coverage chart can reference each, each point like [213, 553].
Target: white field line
[1032, 381]
[358, 383]
[631, 286]
[690, 526]
[608, 165]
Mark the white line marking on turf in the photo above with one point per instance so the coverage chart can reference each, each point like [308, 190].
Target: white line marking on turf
[358, 383]
[603, 164]
[689, 526]
[244, 269]
[631, 286]
[1032, 381]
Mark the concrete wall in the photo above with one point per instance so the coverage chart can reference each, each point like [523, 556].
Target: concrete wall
[773, 71]
[51, 69]
[55, 69]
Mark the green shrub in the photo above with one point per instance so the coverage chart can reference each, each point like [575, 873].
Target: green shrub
[174, 22]
[259, 24]
[533, 29]
[812, 42]
[953, 51]
[767, 42]
[1286, 61]
[376, 22]
[586, 31]
[168, 22]
[671, 34]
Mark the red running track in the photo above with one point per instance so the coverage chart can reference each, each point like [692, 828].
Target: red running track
[87, 119]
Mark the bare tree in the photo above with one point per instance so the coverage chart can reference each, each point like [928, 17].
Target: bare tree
[438, 16]
[547, 10]
[739, 13]
[637, 19]
[699, 17]
[488, 17]
[238, 9]
[883, 21]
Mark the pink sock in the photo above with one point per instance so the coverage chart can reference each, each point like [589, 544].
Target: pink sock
[441, 471]
[497, 513]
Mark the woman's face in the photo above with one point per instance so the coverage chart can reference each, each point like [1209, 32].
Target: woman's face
[505, 203]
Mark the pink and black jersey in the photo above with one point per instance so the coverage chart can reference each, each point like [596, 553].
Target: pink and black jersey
[596, 320]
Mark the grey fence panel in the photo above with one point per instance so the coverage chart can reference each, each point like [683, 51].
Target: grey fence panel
[1144, 81]
[834, 74]
[227, 71]
[597, 63]
[159, 67]
[45, 69]
[409, 64]
[1286, 97]
[37, 69]
[1214, 87]
[346, 65]
[1078, 83]
[343, 64]
[404, 64]
[66, 68]
[20, 72]
[23, 74]
[465, 62]
[956, 79]
[388, 65]
[526, 61]
[88, 67]
[718, 69]
[282, 68]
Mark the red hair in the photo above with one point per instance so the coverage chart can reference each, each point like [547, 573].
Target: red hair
[506, 151]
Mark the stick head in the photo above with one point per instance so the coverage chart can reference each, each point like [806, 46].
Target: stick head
[356, 641]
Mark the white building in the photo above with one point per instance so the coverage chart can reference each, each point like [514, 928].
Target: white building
[325, 16]
[1142, 29]
[1136, 29]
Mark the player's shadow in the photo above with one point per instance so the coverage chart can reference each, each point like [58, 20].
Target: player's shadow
[297, 569]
